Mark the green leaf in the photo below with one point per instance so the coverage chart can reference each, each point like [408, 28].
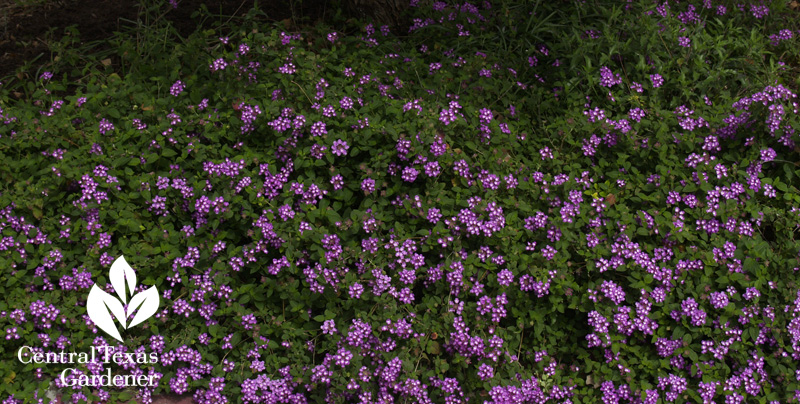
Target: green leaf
[432, 348]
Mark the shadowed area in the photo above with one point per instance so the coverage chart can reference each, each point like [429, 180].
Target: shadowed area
[29, 27]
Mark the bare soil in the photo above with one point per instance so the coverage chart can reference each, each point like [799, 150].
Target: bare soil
[28, 26]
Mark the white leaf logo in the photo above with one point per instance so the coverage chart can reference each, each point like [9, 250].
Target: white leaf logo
[103, 307]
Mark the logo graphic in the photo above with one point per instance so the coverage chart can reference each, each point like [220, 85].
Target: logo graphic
[103, 307]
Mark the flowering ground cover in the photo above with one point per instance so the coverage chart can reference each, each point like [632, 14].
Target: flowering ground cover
[506, 202]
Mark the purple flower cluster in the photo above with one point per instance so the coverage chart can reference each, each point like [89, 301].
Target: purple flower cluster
[177, 88]
[346, 244]
[608, 78]
[657, 80]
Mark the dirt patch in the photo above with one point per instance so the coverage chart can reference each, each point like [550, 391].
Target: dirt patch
[28, 26]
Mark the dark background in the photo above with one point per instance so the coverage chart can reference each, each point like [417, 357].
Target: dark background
[29, 27]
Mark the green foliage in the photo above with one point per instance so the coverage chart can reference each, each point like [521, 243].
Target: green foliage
[195, 188]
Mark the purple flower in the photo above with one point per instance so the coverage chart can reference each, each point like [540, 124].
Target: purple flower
[249, 113]
[485, 372]
[248, 321]
[177, 88]
[721, 171]
[219, 64]
[288, 68]
[368, 185]
[318, 129]
[434, 214]
[613, 291]
[685, 42]
[719, 300]
[339, 147]
[219, 246]
[405, 296]
[505, 277]
[607, 77]
[105, 240]
[236, 263]
[329, 327]
[105, 126]
[106, 259]
[409, 174]
[257, 366]
[759, 11]
[590, 144]
[286, 212]
[549, 252]
[337, 181]
[657, 80]
[768, 154]
[447, 116]
[343, 357]
[346, 103]
[356, 290]
[158, 206]
[318, 151]
[11, 333]
[636, 114]
[595, 115]
[783, 35]
[432, 169]
[751, 293]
